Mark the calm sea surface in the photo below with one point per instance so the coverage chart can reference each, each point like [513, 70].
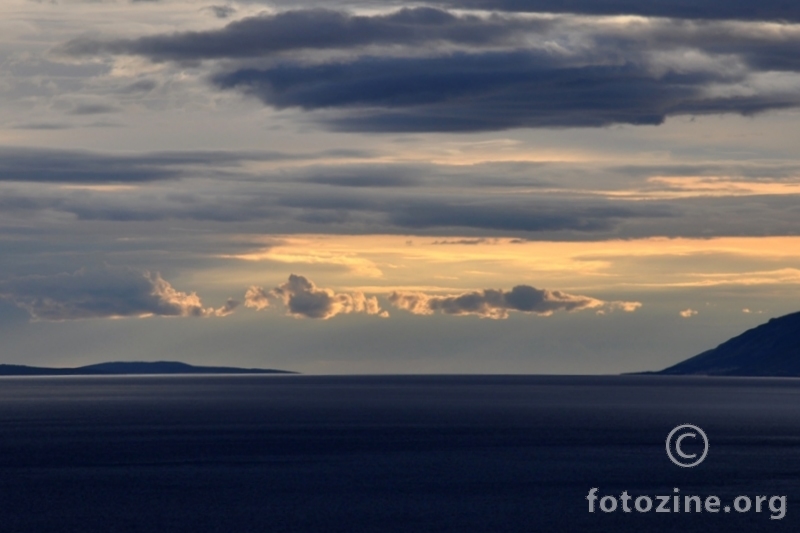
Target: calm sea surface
[407, 454]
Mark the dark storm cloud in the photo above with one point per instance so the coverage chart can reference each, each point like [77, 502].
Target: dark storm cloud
[109, 292]
[564, 37]
[311, 29]
[429, 70]
[778, 10]
[303, 299]
[491, 91]
[496, 303]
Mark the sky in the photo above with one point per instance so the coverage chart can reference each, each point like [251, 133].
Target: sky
[476, 186]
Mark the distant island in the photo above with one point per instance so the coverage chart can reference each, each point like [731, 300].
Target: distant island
[123, 368]
[769, 350]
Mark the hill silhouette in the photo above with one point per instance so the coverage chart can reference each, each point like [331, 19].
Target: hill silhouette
[121, 368]
[771, 349]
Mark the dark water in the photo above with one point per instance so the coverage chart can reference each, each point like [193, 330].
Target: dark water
[386, 454]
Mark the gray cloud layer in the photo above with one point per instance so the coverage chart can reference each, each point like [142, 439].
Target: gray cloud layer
[777, 10]
[110, 292]
[72, 166]
[496, 303]
[303, 299]
[491, 91]
[62, 166]
[700, 9]
[310, 29]
[549, 200]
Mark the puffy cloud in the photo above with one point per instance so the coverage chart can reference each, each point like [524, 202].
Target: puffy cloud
[496, 303]
[628, 307]
[228, 308]
[256, 298]
[303, 299]
[688, 313]
[109, 292]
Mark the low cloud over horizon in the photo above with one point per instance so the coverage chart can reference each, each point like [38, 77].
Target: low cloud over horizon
[303, 299]
[121, 292]
[497, 303]
[108, 292]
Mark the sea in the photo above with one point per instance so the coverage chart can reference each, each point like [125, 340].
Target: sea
[404, 454]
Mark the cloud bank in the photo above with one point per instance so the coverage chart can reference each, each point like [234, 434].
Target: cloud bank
[43, 165]
[777, 10]
[497, 303]
[303, 299]
[430, 69]
[550, 199]
[109, 292]
[311, 29]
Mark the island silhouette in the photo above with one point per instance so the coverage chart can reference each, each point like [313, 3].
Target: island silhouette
[121, 368]
[768, 350]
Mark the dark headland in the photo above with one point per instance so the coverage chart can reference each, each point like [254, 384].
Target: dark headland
[131, 368]
[769, 350]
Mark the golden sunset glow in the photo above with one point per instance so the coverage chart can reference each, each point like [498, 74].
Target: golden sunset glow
[384, 263]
